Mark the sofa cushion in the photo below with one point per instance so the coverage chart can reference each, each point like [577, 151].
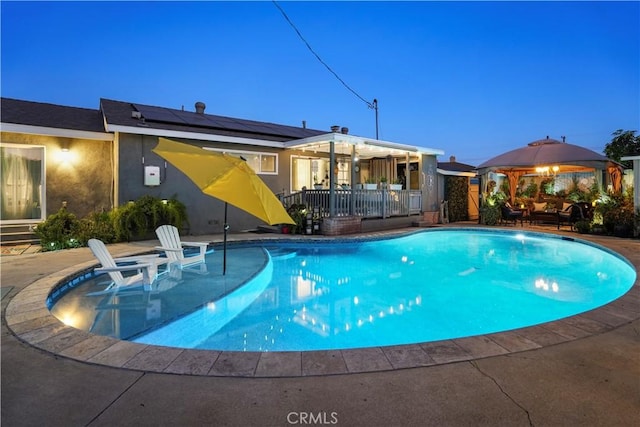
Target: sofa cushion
[539, 207]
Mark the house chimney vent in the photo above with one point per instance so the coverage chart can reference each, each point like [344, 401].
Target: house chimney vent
[452, 159]
[200, 106]
[344, 130]
[335, 129]
[304, 124]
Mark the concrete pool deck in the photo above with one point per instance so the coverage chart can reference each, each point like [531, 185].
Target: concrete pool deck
[584, 370]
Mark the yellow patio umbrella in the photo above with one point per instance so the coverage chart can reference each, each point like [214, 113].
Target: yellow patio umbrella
[227, 178]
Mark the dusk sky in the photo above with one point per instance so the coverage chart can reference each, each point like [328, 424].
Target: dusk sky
[474, 79]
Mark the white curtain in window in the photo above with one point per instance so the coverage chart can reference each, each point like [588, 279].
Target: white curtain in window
[21, 176]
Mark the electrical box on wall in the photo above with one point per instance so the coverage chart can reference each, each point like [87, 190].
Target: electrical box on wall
[151, 176]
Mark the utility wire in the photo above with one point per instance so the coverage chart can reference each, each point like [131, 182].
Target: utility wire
[369, 104]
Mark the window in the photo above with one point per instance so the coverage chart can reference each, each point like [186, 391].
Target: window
[261, 163]
[22, 177]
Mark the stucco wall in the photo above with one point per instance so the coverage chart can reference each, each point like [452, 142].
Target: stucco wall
[206, 214]
[84, 181]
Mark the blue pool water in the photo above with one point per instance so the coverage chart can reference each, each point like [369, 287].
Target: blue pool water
[422, 287]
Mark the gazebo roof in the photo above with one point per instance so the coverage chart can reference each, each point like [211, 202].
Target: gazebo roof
[546, 152]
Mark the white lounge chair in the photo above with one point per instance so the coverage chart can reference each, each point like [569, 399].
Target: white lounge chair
[174, 248]
[145, 265]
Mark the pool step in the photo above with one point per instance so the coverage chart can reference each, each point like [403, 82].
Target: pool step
[282, 254]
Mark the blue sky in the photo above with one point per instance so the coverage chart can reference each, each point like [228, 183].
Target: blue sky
[474, 79]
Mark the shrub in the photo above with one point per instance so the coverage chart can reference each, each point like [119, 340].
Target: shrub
[583, 226]
[59, 231]
[616, 213]
[139, 218]
[298, 213]
[97, 225]
[547, 186]
[490, 214]
[134, 220]
[531, 191]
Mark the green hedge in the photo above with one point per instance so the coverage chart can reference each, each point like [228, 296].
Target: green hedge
[135, 220]
[456, 191]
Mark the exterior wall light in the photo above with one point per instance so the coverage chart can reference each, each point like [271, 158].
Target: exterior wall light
[65, 156]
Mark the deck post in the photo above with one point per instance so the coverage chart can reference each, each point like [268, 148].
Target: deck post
[332, 177]
[407, 180]
[352, 202]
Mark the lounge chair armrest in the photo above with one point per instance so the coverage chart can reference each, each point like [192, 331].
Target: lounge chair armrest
[201, 245]
[138, 258]
[161, 248]
[123, 267]
[195, 244]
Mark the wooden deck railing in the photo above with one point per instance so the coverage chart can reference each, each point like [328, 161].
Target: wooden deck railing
[363, 203]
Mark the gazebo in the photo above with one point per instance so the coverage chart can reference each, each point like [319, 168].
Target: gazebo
[550, 157]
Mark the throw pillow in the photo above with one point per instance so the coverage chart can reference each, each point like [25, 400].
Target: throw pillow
[539, 207]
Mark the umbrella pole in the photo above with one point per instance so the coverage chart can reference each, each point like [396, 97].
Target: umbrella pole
[224, 253]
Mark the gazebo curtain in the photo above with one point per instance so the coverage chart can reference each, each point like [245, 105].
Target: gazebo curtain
[513, 176]
[615, 177]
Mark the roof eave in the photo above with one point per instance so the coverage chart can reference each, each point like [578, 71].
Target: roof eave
[342, 138]
[141, 130]
[456, 173]
[58, 132]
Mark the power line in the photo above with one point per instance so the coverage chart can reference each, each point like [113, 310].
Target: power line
[369, 104]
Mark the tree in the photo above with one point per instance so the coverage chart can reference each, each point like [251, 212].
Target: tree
[623, 143]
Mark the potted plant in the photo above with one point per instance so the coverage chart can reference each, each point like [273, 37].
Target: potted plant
[370, 184]
[396, 185]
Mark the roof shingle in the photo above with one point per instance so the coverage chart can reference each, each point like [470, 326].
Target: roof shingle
[50, 115]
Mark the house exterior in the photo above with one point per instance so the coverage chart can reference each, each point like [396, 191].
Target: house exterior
[53, 154]
[92, 160]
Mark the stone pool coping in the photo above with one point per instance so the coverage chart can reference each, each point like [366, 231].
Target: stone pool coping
[28, 318]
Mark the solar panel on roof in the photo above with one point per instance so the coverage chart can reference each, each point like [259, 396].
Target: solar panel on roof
[167, 115]
[157, 114]
[260, 127]
[228, 123]
[191, 118]
[256, 128]
[272, 127]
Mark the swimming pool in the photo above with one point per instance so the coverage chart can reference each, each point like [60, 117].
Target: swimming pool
[426, 286]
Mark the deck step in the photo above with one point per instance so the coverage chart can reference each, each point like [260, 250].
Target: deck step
[18, 234]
